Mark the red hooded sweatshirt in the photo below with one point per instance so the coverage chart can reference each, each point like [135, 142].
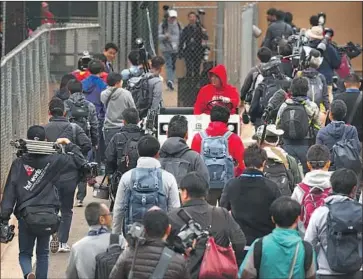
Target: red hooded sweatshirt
[207, 92]
[235, 145]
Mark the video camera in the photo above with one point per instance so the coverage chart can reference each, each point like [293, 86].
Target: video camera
[189, 232]
[135, 234]
[6, 233]
[271, 68]
[144, 55]
[328, 34]
[84, 61]
[350, 49]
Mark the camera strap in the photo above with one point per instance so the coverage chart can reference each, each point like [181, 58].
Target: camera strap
[162, 266]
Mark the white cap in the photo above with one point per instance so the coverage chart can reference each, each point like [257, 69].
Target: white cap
[271, 131]
[173, 13]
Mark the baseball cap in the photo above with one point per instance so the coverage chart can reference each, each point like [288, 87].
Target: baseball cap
[173, 13]
[271, 131]
[36, 132]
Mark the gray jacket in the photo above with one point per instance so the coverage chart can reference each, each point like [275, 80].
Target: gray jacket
[156, 90]
[92, 115]
[169, 184]
[275, 30]
[316, 234]
[116, 100]
[82, 259]
[178, 148]
[170, 44]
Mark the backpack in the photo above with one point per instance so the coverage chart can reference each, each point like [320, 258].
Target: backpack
[280, 174]
[131, 75]
[257, 255]
[216, 157]
[276, 41]
[257, 78]
[295, 121]
[269, 87]
[312, 199]
[177, 166]
[344, 236]
[346, 155]
[106, 261]
[143, 97]
[127, 154]
[315, 92]
[78, 114]
[146, 191]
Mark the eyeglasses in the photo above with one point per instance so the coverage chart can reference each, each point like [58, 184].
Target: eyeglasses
[108, 214]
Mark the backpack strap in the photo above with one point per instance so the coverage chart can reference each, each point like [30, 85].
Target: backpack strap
[203, 134]
[74, 132]
[279, 154]
[308, 260]
[227, 135]
[354, 110]
[164, 261]
[114, 239]
[109, 97]
[257, 256]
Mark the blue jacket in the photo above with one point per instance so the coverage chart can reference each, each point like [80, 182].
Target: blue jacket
[92, 88]
[330, 62]
[278, 250]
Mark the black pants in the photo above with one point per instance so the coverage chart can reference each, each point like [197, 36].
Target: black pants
[192, 64]
[214, 195]
[357, 275]
[298, 151]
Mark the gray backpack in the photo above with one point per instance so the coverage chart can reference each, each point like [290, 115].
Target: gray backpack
[344, 236]
[216, 157]
[316, 87]
[177, 166]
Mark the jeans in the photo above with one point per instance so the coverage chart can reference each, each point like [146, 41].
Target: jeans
[26, 246]
[298, 151]
[170, 60]
[100, 153]
[66, 197]
[82, 190]
[109, 133]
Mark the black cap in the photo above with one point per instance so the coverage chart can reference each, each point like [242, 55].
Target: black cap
[36, 132]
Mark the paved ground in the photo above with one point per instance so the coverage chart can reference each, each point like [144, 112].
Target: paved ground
[58, 262]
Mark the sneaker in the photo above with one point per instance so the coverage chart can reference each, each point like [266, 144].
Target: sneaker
[30, 275]
[170, 85]
[54, 243]
[64, 248]
[79, 203]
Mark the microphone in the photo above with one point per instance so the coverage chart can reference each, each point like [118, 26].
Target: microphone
[274, 103]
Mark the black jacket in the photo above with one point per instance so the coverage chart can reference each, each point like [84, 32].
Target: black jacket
[277, 29]
[248, 82]
[224, 229]
[117, 143]
[148, 256]
[249, 198]
[23, 189]
[191, 41]
[59, 127]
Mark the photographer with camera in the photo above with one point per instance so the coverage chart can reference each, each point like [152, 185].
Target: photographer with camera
[193, 193]
[31, 192]
[169, 37]
[147, 255]
[192, 44]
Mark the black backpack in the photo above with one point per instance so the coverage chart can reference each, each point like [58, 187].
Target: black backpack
[79, 114]
[127, 154]
[295, 121]
[344, 236]
[278, 173]
[107, 260]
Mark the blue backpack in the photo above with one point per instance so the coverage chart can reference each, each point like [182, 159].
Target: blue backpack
[217, 159]
[147, 191]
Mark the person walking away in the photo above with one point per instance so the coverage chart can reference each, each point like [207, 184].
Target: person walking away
[110, 51]
[116, 100]
[282, 253]
[63, 92]
[315, 187]
[101, 57]
[193, 40]
[31, 194]
[175, 155]
[338, 246]
[277, 31]
[218, 91]
[193, 193]
[169, 37]
[303, 115]
[135, 69]
[82, 259]
[280, 167]
[121, 153]
[132, 201]
[157, 229]
[250, 195]
[227, 147]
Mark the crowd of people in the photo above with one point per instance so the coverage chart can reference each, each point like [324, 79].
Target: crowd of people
[287, 206]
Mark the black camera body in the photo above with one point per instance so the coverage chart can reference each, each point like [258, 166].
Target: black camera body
[6, 233]
[271, 68]
[90, 170]
[84, 61]
[135, 234]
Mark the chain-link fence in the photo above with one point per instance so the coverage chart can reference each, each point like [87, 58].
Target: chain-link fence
[30, 73]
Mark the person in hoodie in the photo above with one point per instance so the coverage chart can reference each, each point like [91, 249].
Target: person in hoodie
[331, 56]
[23, 194]
[344, 184]
[281, 247]
[169, 33]
[337, 128]
[218, 91]
[116, 100]
[92, 88]
[63, 92]
[175, 149]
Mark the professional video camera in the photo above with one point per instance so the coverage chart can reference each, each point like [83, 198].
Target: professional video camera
[189, 232]
[350, 49]
[143, 54]
[328, 34]
[271, 68]
[6, 233]
[84, 61]
[135, 236]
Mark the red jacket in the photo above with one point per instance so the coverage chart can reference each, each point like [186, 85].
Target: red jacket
[207, 92]
[235, 145]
